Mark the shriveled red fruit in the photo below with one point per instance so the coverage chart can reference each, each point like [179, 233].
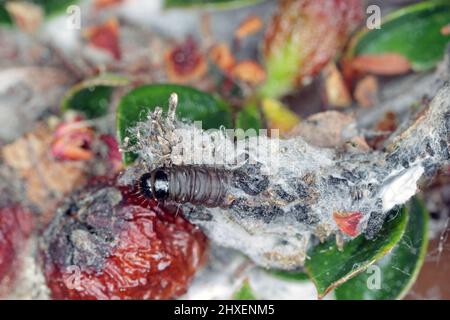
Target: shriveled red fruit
[102, 245]
[15, 228]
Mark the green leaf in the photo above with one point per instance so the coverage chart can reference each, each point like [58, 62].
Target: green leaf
[249, 118]
[328, 267]
[92, 96]
[280, 73]
[290, 275]
[245, 293]
[216, 4]
[413, 31]
[5, 18]
[399, 268]
[193, 105]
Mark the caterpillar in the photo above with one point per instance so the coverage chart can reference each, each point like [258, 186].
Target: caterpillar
[187, 184]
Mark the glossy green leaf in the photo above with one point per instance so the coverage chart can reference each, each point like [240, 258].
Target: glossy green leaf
[193, 105]
[249, 118]
[92, 96]
[398, 269]
[328, 267]
[245, 293]
[217, 4]
[413, 31]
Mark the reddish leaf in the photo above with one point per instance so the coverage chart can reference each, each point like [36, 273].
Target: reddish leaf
[249, 71]
[250, 25]
[388, 64]
[348, 222]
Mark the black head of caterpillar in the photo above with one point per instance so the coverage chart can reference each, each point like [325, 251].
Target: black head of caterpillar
[154, 185]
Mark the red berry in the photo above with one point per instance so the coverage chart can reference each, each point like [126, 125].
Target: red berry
[15, 228]
[101, 245]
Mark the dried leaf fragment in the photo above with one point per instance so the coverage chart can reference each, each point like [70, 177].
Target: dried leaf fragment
[252, 24]
[348, 222]
[387, 64]
[249, 71]
[388, 123]
[324, 129]
[366, 91]
[336, 90]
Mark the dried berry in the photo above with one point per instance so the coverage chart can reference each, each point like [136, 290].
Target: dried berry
[102, 245]
[15, 227]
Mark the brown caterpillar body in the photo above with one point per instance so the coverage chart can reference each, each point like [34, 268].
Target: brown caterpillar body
[187, 184]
